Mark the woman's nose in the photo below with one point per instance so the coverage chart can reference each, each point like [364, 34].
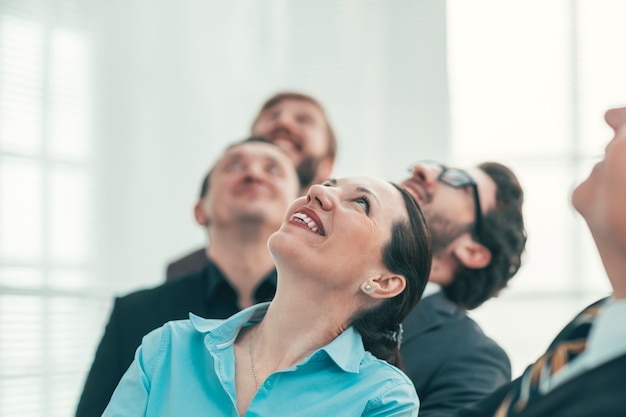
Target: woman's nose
[321, 195]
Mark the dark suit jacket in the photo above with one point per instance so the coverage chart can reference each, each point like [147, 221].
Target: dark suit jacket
[205, 293]
[188, 264]
[599, 392]
[451, 362]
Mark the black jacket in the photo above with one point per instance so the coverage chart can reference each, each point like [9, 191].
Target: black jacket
[451, 362]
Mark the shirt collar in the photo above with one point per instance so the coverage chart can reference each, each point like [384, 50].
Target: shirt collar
[252, 315]
[607, 337]
[214, 277]
[346, 350]
[606, 341]
[430, 289]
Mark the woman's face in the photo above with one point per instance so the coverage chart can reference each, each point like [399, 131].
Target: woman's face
[338, 230]
[601, 198]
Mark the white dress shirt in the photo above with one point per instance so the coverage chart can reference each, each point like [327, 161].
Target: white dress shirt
[606, 341]
[430, 289]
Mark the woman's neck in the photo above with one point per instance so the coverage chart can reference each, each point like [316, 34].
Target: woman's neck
[311, 318]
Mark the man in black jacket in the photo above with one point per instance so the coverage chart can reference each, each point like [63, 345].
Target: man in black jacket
[475, 219]
[248, 191]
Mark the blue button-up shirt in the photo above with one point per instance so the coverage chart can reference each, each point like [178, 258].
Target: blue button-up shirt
[187, 368]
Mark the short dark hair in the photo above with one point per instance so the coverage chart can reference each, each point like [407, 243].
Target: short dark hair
[292, 95]
[407, 253]
[204, 187]
[503, 234]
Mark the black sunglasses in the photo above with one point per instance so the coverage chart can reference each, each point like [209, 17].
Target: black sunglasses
[457, 178]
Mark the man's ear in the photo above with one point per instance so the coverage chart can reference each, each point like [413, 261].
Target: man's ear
[385, 286]
[471, 254]
[199, 215]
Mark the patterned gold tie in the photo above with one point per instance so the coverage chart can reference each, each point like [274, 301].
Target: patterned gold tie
[565, 347]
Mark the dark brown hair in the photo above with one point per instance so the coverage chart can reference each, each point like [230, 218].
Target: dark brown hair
[407, 253]
[503, 234]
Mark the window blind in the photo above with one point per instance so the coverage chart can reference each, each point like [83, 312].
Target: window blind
[47, 313]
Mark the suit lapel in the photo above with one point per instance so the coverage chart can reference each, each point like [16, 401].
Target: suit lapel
[599, 392]
[431, 312]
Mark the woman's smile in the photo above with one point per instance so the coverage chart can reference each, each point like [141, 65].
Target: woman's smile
[308, 218]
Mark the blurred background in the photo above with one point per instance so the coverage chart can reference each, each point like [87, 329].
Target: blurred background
[112, 111]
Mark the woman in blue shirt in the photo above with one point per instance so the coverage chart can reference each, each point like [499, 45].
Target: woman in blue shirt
[352, 257]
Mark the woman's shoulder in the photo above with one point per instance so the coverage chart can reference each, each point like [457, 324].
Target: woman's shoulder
[163, 336]
[392, 387]
[371, 363]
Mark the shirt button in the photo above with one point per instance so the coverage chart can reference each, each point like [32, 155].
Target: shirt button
[268, 384]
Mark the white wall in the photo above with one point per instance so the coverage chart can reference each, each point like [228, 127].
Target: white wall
[175, 84]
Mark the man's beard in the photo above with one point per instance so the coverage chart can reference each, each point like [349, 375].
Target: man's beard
[443, 231]
[307, 171]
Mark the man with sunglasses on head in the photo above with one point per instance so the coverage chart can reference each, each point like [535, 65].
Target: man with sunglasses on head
[477, 229]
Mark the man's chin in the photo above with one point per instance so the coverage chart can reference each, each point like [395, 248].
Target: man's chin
[250, 217]
[257, 212]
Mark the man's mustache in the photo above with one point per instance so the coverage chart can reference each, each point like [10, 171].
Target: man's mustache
[283, 133]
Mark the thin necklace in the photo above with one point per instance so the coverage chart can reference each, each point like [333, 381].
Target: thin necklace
[256, 378]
